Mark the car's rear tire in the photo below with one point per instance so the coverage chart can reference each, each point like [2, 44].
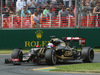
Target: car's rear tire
[17, 54]
[87, 55]
[50, 57]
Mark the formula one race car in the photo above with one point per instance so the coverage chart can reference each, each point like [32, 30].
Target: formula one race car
[54, 52]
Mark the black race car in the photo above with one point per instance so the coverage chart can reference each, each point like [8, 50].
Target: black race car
[56, 51]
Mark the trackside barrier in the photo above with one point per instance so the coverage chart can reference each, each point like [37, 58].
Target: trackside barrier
[16, 22]
[50, 22]
[90, 21]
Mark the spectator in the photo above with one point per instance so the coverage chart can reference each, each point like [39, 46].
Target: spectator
[71, 13]
[31, 5]
[54, 2]
[39, 11]
[92, 5]
[63, 12]
[83, 11]
[6, 11]
[47, 3]
[10, 13]
[41, 3]
[24, 11]
[35, 19]
[66, 3]
[97, 9]
[46, 10]
[97, 1]
[58, 1]
[86, 8]
[50, 13]
[19, 5]
[60, 6]
[15, 3]
[52, 6]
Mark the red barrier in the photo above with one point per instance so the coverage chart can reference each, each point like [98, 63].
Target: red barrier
[90, 21]
[7, 21]
[64, 22]
[45, 22]
[84, 21]
[72, 21]
[16, 22]
[26, 22]
[51, 22]
[56, 22]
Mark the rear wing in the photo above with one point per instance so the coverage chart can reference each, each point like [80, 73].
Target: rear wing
[81, 41]
[76, 39]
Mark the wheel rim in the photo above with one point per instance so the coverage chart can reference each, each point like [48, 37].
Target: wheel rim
[91, 55]
[54, 59]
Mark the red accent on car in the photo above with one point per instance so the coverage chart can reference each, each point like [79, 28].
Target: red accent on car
[39, 60]
[9, 59]
[37, 46]
[15, 59]
[52, 45]
[82, 41]
[72, 38]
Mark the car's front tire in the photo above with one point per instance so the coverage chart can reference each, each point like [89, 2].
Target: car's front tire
[17, 54]
[87, 54]
[50, 57]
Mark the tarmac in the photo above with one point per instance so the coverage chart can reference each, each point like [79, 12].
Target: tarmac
[28, 68]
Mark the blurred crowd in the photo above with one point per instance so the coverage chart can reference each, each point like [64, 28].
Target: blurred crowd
[41, 7]
[90, 7]
[47, 8]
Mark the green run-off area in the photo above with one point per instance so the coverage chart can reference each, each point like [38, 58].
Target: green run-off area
[79, 68]
[28, 38]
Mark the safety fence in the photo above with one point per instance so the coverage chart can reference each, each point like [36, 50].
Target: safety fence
[90, 21]
[16, 22]
[46, 22]
[50, 22]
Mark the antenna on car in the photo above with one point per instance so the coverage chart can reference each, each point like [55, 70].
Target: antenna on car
[53, 36]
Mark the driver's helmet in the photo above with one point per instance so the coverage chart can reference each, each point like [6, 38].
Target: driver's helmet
[50, 45]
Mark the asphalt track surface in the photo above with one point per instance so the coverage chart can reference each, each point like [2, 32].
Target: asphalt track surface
[26, 69]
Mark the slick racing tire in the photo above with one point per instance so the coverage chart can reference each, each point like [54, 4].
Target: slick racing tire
[17, 54]
[7, 61]
[50, 57]
[87, 54]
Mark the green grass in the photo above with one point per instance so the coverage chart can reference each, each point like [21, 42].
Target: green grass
[84, 68]
[95, 50]
[9, 51]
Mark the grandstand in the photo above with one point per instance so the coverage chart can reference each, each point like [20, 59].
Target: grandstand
[13, 21]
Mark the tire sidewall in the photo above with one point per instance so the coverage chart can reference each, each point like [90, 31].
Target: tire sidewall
[50, 57]
[85, 54]
[17, 54]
